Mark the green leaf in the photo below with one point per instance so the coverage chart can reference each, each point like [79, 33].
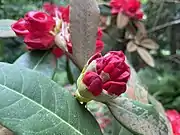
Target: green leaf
[69, 73]
[161, 110]
[30, 103]
[60, 75]
[41, 61]
[101, 112]
[74, 70]
[138, 117]
[105, 10]
[5, 28]
[118, 129]
[66, 72]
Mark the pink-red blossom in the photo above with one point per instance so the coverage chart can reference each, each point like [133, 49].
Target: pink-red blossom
[131, 8]
[35, 28]
[174, 118]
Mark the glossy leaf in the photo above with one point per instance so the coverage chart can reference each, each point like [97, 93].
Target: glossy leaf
[30, 103]
[84, 20]
[138, 117]
[66, 72]
[122, 20]
[144, 54]
[41, 61]
[5, 28]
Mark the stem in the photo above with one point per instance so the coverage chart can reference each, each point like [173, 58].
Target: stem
[73, 60]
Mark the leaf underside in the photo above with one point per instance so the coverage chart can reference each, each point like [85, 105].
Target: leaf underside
[84, 20]
[32, 104]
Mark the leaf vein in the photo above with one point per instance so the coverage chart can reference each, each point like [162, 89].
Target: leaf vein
[12, 103]
[40, 60]
[55, 115]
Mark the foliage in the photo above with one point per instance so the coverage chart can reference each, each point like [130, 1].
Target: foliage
[39, 91]
[163, 84]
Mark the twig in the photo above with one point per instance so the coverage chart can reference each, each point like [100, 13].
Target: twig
[158, 14]
[162, 26]
[173, 1]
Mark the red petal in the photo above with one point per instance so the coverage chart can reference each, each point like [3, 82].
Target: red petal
[57, 52]
[172, 115]
[124, 77]
[99, 33]
[50, 8]
[39, 41]
[95, 56]
[65, 13]
[116, 88]
[93, 82]
[99, 46]
[39, 21]
[139, 15]
[19, 28]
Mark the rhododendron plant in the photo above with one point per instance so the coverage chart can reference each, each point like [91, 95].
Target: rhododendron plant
[33, 94]
[40, 28]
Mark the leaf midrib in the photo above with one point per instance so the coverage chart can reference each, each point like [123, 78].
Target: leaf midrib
[43, 108]
[40, 60]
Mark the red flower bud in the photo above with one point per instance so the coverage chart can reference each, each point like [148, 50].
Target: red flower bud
[93, 82]
[113, 71]
[19, 28]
